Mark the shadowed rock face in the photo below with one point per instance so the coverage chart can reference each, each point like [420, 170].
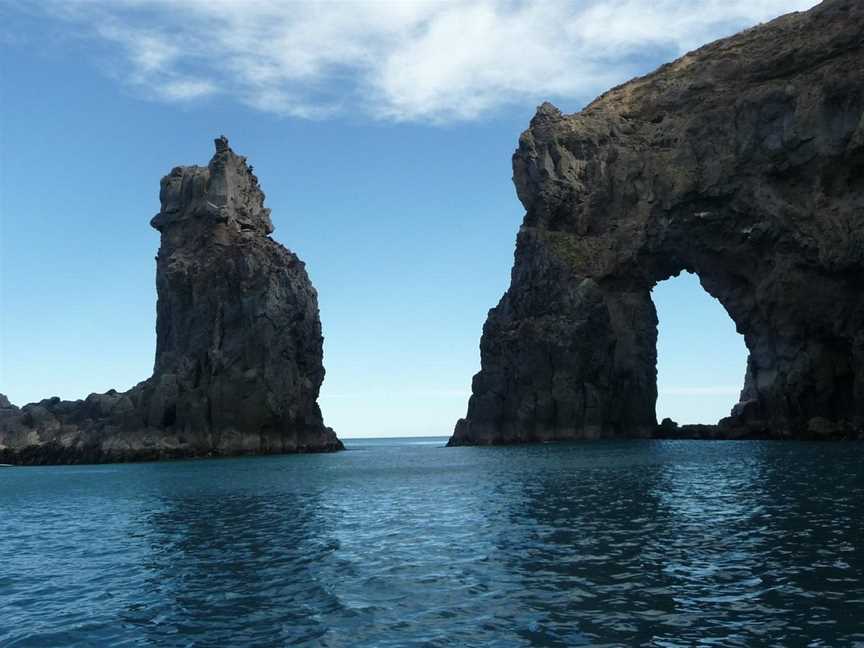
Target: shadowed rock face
[239, 349]
[742, 162]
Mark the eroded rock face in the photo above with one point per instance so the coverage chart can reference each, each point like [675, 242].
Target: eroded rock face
[239, 348]
[742, 162]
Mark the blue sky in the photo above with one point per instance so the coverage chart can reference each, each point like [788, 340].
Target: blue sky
[382, 135]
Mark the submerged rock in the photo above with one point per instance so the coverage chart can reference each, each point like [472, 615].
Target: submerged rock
[742, 162]
[239, 348]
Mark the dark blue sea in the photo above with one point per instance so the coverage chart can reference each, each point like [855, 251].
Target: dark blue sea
[402, 542]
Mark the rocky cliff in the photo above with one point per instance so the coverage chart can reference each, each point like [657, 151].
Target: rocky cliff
[742, 162]
[238, 352]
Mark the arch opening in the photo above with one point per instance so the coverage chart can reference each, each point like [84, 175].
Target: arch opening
[701, 358]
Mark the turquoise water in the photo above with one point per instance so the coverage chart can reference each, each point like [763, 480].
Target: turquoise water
[402, 542]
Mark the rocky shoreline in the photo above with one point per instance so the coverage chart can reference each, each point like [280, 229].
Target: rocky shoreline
[53, 453]
[672, 431]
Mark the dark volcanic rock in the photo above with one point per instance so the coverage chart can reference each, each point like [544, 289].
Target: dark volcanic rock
[742, 162]
[239, 348]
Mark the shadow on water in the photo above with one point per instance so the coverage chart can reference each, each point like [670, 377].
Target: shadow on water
[576, 534]
[242, 553]
[655, 544]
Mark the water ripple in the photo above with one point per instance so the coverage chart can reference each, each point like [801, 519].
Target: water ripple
[400, 543]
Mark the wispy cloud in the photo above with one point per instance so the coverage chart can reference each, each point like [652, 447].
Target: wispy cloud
[182, 89]
[403, 61]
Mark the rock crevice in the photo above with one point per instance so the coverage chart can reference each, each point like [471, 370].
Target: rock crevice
[238, 363]
[742, 162]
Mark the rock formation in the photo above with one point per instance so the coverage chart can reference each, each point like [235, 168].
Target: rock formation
[238, 352]
[742, 162]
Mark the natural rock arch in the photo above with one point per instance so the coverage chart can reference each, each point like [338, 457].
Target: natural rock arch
[742, 162]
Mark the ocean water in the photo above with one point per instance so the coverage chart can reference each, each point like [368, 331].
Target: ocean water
[402, 542]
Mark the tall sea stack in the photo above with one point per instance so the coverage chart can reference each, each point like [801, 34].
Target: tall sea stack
[239, 348]
[742, 162]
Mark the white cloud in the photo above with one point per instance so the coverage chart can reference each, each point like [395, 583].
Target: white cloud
[404, 61]
[147, 52]
[181, 89]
